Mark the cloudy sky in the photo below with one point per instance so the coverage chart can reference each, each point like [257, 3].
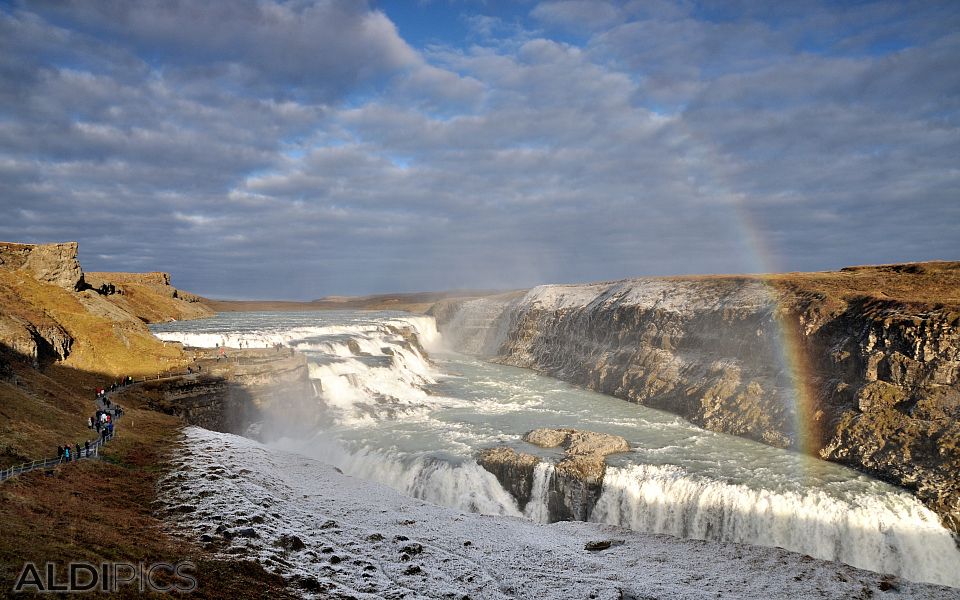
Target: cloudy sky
[293, 149]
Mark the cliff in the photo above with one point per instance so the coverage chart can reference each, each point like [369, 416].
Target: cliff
[50, 263]
[860, 366]
[60, 338]
[257, 393]
[571, 486]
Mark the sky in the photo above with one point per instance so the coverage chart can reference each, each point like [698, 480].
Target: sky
[295, 149]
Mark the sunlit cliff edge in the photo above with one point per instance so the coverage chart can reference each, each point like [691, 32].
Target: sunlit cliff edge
[64, 332]
[859, 366]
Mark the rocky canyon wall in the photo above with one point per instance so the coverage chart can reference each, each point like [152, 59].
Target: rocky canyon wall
[257, 393]
[860, 366]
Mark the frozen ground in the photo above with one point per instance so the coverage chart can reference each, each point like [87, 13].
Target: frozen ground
[334, 536]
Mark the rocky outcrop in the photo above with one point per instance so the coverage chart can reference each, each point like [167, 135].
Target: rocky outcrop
[514, 470]
[41, 343]
[576, 480]
[257, 393]
[860, 366]
[56, 264]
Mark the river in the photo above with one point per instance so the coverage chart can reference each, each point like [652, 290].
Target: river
[415, 421]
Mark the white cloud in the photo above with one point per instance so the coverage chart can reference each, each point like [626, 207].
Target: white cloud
[307, 149]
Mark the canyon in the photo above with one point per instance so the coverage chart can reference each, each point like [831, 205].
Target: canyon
[859, 366]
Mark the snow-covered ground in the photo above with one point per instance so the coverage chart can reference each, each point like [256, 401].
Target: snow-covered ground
[334, 536]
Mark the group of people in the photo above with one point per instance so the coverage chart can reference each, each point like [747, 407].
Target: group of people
[101, 421]
[67, 454]
[116, 385]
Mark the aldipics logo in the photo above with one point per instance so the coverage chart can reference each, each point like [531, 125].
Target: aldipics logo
[108, 577]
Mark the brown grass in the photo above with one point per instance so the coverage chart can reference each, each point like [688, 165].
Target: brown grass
[147, 296]
[40, 409]
[934, 283]
[97, 511]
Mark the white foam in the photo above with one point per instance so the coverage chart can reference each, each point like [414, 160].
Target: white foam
[240, 485]
[537, 508]
[886, 532]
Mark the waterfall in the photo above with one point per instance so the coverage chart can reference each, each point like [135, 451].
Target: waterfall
[395, 416]
[538, 508]
[479, 327]
[886, 532]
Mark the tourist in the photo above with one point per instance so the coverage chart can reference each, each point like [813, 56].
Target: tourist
[59, 452]
[78, 451]
[86, 447]
[66, 453]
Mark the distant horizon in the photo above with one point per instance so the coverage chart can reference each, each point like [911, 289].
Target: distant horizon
[466, 291]
[328, 147]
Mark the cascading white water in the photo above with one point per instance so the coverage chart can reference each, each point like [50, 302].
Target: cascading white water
[882, 531]
[415, 424]
[537, 508]
[479, 328]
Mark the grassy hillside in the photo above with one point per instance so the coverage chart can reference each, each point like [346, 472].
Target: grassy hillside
[57, 346]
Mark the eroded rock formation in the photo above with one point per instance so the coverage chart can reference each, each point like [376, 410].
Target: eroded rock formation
[51, 263]
[576, 480]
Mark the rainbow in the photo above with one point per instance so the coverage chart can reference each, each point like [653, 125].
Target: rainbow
[759, 261]
[792, 355]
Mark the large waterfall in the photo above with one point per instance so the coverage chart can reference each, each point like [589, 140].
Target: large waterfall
[393, 413]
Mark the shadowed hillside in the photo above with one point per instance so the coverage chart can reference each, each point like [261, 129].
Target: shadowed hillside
[62, 335]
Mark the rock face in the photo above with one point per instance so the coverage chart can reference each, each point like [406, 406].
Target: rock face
[514, 470]
[41, 343]
[860, 366]
[231, 397]
[474, 326]
[576, 480]
[51, 263]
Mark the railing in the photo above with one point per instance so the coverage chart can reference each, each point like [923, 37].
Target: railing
[93, 452]
[95, 446]
[52, 462]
